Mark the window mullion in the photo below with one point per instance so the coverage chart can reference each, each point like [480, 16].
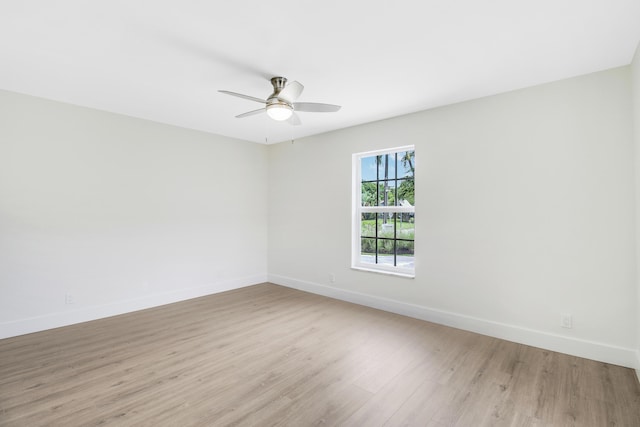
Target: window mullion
[388, 209]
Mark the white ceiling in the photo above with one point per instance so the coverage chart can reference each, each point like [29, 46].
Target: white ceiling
[164, 60]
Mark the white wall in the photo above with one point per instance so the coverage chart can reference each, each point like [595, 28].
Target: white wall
[635, 80]
[524, 210]
[121, 213]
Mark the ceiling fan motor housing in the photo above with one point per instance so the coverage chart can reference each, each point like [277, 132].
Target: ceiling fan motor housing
[278, 109]
[278, 84]
[280, 105]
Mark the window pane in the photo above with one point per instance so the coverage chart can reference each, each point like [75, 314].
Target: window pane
[405, 247]
[405, 226]
[385, 251]
[386, 166]
[406, 160]
[380, 163]
[386, 226]
[405, 254]
[368, 167]
[405, 192]
[368, 225]
[385, 247]
[368, 251]
[387, 193]
[369, 193]
[368, 246]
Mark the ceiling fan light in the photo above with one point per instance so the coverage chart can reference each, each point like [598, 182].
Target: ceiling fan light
[279, 112]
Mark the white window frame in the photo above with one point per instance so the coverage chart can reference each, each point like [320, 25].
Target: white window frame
[358, 210]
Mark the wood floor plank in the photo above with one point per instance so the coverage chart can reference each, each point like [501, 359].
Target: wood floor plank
[389, 399]
[266, 355]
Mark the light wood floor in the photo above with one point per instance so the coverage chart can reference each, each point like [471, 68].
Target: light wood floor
[267, 355]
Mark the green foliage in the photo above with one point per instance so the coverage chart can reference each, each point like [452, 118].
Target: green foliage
[369, 194]
[405, 229]
[385, 247]
[406, 191]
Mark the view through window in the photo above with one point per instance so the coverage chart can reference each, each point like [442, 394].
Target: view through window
[384, 214]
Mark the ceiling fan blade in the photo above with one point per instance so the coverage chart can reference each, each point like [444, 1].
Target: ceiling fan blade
[315, 107]
[291, 92]
[294, 120]
[239, 95]
[251, 113]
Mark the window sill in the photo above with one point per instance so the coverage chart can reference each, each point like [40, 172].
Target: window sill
[387, 272]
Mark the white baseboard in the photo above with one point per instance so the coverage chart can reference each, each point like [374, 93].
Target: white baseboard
[85, 314]
[577, 347]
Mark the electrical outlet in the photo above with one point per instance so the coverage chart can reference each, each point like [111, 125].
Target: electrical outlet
[566, 320]
[69, 299]
[332, 278]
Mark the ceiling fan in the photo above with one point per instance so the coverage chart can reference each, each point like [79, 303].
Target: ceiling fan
[281, 105]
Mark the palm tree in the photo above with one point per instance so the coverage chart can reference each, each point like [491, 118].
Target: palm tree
[386, 182]
[408, 159]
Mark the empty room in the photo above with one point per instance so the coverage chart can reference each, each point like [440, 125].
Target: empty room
[320, 213]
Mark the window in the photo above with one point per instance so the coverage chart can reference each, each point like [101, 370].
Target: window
[384, 213]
